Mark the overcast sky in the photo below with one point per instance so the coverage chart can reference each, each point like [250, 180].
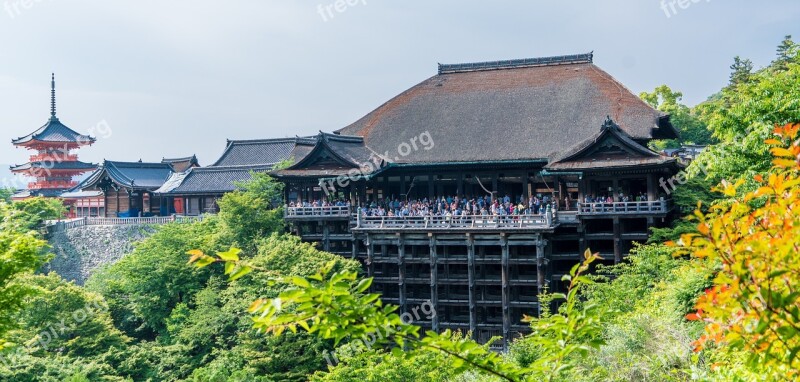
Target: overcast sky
[174, 78]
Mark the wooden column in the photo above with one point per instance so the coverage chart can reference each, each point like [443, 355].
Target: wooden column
[326, 236]
[370, 256]
[460, 184]
[652, 192]
[403, 191]
[401, 263]
[434, 283]
[473, 318]
[506, 290]
[526, 187]
[617, 241]
[354, 248]
[615, 186]
[541, 271]
[430, 186]
[495, 193]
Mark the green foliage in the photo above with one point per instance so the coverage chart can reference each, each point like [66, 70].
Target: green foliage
[143, 287]
[250, 212]
[691, 129]
[5, 195]
[372, 365]
[741, 71]
[29, 214]
[21, 252]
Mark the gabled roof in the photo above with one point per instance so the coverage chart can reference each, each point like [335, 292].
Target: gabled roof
[181, 164]
[56, 132]
[133, 175]
[334, 155]
[208, 180]
[260, 151]
[507, 110]
[611, 147]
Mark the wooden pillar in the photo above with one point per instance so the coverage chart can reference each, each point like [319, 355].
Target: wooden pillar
[541, 271]
[615, 185]
[652, 192]
[526, 187]
[354, 248]
[460, 184]
[430, 186]
[506, 290]
[495, 193]
[473, 318]
[370, 256]
[326, 236]
[617, 241]
[401, 263]
[403, 191]
[434, 283]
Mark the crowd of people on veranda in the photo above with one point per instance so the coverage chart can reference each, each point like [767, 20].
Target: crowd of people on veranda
[446, 206]
[466, 206]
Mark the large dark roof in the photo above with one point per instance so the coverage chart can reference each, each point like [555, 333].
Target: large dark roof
[260, 151]
[512, 110]
[134, 175]
[54, 131]
[70, 165]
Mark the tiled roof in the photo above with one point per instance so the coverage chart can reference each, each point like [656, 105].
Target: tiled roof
[135, 175]
[54, 131]
[515, 110]
[208, 180]
[624, 152]
[259, 151]
[181, 164]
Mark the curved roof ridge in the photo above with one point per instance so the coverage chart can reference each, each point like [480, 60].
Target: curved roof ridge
[517, 63]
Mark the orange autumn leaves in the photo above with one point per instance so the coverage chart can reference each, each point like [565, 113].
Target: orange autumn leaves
[753, 242]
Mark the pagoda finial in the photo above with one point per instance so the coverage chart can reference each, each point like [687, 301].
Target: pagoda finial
[53, 96]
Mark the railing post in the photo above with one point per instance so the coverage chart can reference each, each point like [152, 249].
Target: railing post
[549, 216]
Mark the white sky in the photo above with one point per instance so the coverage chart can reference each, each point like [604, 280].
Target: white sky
[173, 78]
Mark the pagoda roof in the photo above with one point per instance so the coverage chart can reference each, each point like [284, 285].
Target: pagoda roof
[132, 175]
[507, 110]
[67, 165]
[54, 132]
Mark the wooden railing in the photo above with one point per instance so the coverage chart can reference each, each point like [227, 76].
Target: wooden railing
[89, 221]
[603, 208]
[455, 222]
[308, 212]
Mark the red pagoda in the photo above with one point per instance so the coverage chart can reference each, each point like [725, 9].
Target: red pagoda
[53, 165]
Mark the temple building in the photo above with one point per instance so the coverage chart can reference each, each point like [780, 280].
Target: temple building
[196, 190]
[53, 165]
[474, 190]
[126, 189]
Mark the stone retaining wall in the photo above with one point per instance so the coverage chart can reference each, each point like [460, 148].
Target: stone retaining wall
[82, 250]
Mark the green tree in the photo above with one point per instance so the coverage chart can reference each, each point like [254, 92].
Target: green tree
[691, 129]
[21, 253]
[786, 52]
[741, 71]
